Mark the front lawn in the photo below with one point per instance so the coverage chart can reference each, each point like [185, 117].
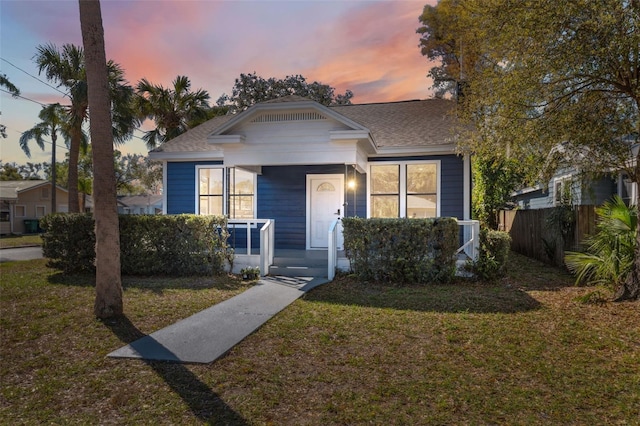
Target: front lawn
[520, 351]
[7, 241]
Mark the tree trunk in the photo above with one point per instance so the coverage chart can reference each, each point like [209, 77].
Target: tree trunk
[72, 177]
[108, 301]
[54, 139]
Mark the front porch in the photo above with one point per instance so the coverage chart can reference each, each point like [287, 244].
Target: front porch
[319, 263]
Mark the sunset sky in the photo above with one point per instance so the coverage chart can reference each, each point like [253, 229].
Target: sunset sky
[369, 47]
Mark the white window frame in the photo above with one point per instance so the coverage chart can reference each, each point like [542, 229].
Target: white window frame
[225, 188]
[24, 209]
[44, 210]
[197, 186]
[562, 180]
[403, 183]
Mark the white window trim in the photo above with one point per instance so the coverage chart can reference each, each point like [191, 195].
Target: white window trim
[225, 189]
[44, 209]
[403, 183]
[15, 209]
[197, 186]
[563, 181]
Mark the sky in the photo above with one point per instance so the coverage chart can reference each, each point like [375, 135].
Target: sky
[368, 47]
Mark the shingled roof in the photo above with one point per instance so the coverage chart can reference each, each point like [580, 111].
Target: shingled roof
[404, 124]
[391, 124]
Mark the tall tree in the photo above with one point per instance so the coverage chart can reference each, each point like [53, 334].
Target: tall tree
[558, 85]
[250, 89]
[54, 120]
[174, 109]
[66, 67]
[14, 91]
[108, 301]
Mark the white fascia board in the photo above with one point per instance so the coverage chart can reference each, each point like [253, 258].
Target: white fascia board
[527, 190]
[187, 156]
[414, 150]
[348, 135]
[225, 139]
[255, 109]
[288, 155]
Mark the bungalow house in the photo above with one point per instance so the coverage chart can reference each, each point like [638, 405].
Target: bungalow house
[24, 202]
[301, 165]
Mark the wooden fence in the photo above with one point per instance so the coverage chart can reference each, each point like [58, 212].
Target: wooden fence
[537, 233]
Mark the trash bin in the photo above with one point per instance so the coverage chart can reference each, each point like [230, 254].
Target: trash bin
[30, 226]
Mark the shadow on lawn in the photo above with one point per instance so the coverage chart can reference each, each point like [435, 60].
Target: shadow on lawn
[451, 298]
[205, 404]
[154, 284]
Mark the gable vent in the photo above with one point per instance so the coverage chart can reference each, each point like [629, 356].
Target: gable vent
[288, 116]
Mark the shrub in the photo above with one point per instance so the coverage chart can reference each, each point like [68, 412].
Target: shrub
[149, 245]
[69, 242]
[495, 247]
[610, 253]
[402, 250]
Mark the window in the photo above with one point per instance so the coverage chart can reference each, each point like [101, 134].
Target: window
[422, 190]
[21, 211]
[563, 191]
[385, 190]
[233, 196]
[405, 189]
[210, 191]
[241, 194]
[45, 193]
[41, 211]
[4, 216]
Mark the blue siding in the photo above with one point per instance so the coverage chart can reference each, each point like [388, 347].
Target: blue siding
[281, 193]
[282, 196]
[181, 186]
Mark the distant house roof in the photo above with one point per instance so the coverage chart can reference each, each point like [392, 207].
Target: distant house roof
[139, 200]
[9, 189]
[391, 124]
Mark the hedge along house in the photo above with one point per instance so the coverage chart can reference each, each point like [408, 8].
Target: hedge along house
[294, 166]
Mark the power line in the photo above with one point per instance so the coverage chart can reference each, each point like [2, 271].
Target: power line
[22, 97]
[33, 76]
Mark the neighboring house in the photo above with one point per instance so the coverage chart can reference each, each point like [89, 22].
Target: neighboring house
[305, 164]
[140, 204]
[569, 186]
[27, 200]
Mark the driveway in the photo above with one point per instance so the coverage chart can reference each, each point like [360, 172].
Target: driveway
[21, 253]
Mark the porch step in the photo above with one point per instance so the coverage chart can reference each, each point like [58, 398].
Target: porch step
[298, 270]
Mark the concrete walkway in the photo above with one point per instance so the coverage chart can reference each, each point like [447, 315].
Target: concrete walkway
[208, 335]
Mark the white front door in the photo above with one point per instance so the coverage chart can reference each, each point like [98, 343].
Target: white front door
[325, 199]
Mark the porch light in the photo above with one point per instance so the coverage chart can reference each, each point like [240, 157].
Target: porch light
[351, 184]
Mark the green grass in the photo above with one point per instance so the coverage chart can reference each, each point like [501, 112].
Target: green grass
[20, 240]
[524, 350]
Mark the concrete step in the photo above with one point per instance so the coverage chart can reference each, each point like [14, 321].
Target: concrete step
[298, 271]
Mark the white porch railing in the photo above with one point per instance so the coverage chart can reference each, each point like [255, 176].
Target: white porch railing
[267, 239]
[471, 238]
[332, 249]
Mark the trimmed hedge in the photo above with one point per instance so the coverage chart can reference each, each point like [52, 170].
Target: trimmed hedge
[402, 250]
[495, 247]
[176, 245]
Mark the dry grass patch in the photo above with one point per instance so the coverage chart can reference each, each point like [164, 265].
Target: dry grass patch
[8, 241]
[520, 351]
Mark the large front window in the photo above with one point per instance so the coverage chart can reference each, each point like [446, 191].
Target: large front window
[241, 194]
[404, 190]
[232, 195]
[211, 191]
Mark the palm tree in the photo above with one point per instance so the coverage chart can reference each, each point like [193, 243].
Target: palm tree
[66, 67]
[174, 110]
[54, 120]
[14, 91]
[610, 253]
[108, 301]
